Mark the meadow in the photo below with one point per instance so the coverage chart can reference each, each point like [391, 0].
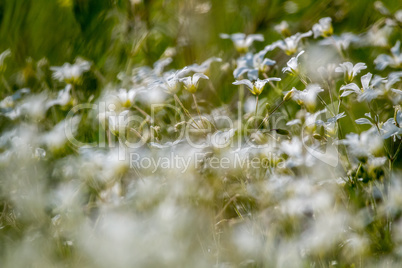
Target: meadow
[200, 133]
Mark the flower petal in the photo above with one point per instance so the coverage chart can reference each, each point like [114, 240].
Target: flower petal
[244, 82]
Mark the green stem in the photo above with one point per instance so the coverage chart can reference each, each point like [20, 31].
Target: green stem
[185, 110]
[198, 111]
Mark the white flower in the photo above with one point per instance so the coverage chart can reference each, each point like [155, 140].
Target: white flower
[282, 28]
[191, 82]
[349, 70]
[323, 27]
[203, 68]
[293, 65]
[341, 42]
[241, 41]
[170, 81]
[306, 97]
[63, 98]
[365, 93]
[252, 65]
[126, 97]
[71, 72]
[289, 45]
[161, 64]
[364, 145]
[383, 60]
[258, 85]
[35, 106]
[392, 127]
[56, 138]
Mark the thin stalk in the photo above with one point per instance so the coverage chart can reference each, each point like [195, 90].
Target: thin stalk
[198, 111]
[302, 79]
[141, 111]
[6, 84]
[268, 113]
[256, 110]
[185, 110]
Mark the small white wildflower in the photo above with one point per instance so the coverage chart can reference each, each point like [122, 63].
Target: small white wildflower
[257, 87]
[323, 27]
[126, 97]
[241, 41]
[365, 145]
[366, 93]
[252, 65]
[71, 73]
[202, 68]
[341, 42]
[306, 97]
[293, 65]
[170, 82]
[161, 64]
[290, 44]
[56, 138]
[383, 60]
[392, 128]
[282, 28]
[349, 70]
[191, 82]
[63, 98]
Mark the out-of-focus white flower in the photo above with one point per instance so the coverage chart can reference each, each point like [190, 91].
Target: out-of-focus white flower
[326, 232]
[398, 15]
[71, 73]
[323, 28]
[35, 106]
[57, 137]
[366, 93]
[294, 149]
[306, 97]
[151, 95]
[8, 104]
[252, 65]
[383, 60]
[161, 64]
[256, 87]
[341, 42]
[392, 127]
[170, 82]
[126, 97]
[365, 145]
[293, 64]
[289, 45]
[191, 82]
[202, 68]
[377, 36]
[63, 98]
[283, 28]
[241, 41]
[349, 70]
